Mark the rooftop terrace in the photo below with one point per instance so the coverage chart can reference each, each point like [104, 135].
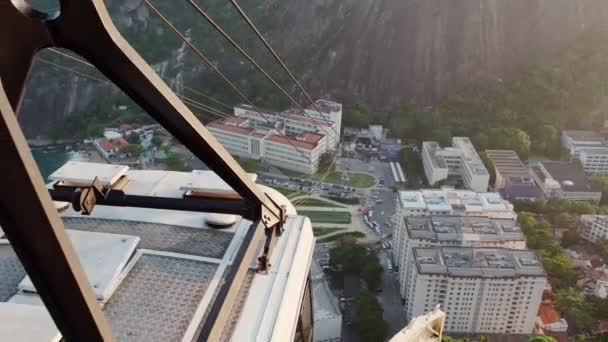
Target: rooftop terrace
[477, 262]
[458, 228]
[158, 272]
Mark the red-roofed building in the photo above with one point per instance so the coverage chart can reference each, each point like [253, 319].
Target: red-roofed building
[298, 152]
[119, 142]
[551, 323]
[326, 121]
[106, 148]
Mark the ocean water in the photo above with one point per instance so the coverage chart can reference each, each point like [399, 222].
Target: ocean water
[49, 161]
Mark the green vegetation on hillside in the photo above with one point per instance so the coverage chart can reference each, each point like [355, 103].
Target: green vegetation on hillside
[562, 92]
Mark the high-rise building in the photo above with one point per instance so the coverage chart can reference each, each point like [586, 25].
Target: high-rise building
[440, 231]
[481, 290]
[459, 160]
[158, 273]
[445, 201]
[595, 227]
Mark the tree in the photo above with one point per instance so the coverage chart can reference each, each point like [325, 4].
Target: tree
[489, 166]
[570, 238]
[601, 180]
[442, 135]
[133, 150]
[559, 266]
[372, 271]
[546, 141]
[175, 162]
[326, 162]
[157, 141]
[134, 138]
[565, 220]
[602, 248]
[542, 339]
[369, 324]
[572, 303]
[350, 257]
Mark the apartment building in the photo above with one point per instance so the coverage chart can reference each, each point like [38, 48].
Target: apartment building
[327, 121]
[243, 137]
[561, 180]
[595, 227]
[481, 290]
[454, 231]
[594, 160]
[459, 160]
[446, 202]
[513, 178]
[589, 147]
[576, 140]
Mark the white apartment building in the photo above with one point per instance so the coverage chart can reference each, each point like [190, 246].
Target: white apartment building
[454, 231]
[299, 153]
[447, 201]
[481, 290]
[595, 227]
[327, 121]
[575, 140]
[459, 160]
[594, 160]
[589, 147]
[326, 314]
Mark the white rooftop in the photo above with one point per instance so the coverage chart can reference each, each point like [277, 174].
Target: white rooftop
[454, 201]
[177, 252]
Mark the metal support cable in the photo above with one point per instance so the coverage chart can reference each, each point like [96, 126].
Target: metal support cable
[74, 71]
[218, 28]
[203, 107]
[253, 27]
[221, 74]
[165, 78]
[208, 97]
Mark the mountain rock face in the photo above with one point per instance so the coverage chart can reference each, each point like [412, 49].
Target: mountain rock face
[380, 52]
[385, 52]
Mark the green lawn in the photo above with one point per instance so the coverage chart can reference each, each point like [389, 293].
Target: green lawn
[339, 236]
[313, 202]
[250, 165]
[325, 231]
[334, 177]
[361, 180]
[327, 216]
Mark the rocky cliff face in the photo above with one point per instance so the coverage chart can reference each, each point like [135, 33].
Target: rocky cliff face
[381, 52]
[389, 51]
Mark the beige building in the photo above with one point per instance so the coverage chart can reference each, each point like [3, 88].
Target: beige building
[481, 290]
[439, 231]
